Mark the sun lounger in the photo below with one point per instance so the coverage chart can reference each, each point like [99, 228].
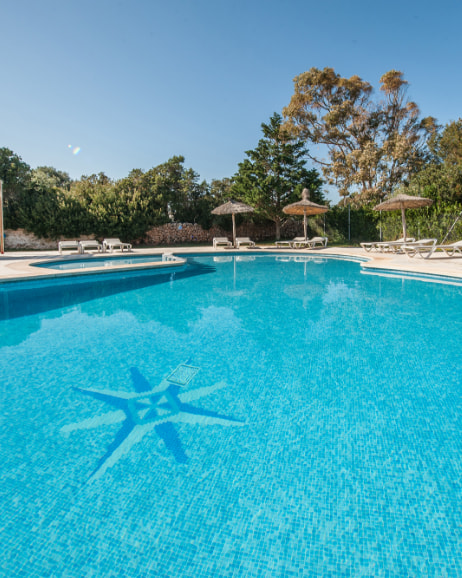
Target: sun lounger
[451, 249]
[290, 244]
[424, 248]
[90, 245]
[386, 246]
[311, 243]
[111, 244]
[221, 241]
[372, 246]
[68, 245]
[241, 241]
[306, 243]
[318, 242]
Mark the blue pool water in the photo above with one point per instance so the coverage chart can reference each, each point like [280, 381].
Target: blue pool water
[92, 262]
[245, 416]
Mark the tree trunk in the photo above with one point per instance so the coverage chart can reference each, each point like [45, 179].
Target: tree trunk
[278, 229]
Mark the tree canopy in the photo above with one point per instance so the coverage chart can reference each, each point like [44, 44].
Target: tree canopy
[50, 178]
[275, 173]
[373, 145]
[446, 145]
[441, 178]
[47, 202]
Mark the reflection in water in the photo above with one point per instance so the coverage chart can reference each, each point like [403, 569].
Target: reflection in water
[234, 259]
[301, 293]
[339, 292]
[244, 258]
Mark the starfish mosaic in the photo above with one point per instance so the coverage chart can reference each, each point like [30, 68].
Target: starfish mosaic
[147, 409]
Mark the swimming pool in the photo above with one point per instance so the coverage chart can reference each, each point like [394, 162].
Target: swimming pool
[97, 261]
[247, 415]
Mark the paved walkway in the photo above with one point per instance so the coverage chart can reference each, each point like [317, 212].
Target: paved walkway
[17, 265]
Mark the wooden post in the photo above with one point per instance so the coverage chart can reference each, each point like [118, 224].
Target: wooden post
[403, 218]
[2, 238]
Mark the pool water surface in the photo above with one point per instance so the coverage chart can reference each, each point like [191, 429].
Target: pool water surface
[247, 415]
[93, 262]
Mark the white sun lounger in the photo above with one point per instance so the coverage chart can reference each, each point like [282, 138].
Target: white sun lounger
[423, 247]
[290, 244]
[68, 245]
[111, 244]
[241, 241]
[311, 243]
[318, 241]
[90, 245]
[385, 246]
[221, 241]
[451, 249]
[426, 247]
[397, 246]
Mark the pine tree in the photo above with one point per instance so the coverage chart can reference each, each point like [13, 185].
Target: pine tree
[275, 173]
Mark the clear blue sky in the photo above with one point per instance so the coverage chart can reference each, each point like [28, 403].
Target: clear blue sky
[134, 82]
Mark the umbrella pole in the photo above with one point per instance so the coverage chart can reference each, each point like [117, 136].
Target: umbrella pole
[304, 223]
[234, 230]
[403, 217]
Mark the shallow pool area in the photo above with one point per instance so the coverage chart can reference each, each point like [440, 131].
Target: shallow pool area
[244, 415]
[97, 262]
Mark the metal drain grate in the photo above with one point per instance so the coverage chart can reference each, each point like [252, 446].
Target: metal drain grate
[183, 374]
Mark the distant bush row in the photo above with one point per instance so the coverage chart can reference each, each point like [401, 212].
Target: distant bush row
[47, 202]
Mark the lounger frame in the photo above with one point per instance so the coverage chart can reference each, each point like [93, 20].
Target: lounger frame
[217, 241]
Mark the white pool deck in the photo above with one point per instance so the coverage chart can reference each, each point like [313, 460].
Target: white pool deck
[17, 265]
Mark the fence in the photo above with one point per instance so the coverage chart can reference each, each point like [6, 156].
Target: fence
[345, 225]
[341, 225]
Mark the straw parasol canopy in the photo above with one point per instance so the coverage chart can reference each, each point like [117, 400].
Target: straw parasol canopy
[304, 207]
[403, 202]
[232, 208]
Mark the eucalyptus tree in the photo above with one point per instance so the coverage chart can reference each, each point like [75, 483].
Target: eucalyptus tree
[373, 144]
[275, 173]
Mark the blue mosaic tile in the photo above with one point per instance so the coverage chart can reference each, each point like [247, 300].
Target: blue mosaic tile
[321, 436]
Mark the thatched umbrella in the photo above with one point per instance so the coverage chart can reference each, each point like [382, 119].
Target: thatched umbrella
[231, 208]
[305, 207]
[403, 202]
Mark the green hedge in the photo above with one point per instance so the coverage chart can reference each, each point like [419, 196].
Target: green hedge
[129, 212]
[365, 224]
